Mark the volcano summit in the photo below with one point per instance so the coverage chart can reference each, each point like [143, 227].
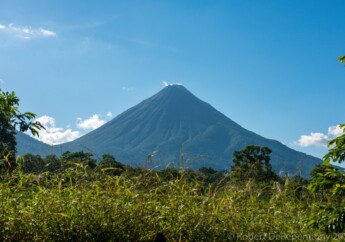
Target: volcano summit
[174, 126]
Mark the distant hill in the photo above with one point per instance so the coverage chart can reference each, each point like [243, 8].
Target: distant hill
[175, 125]
[27, 144]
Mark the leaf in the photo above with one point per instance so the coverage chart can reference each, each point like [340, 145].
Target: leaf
[62, 214]
[326, 160]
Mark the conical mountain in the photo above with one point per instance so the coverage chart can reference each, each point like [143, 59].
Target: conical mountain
[176, 126]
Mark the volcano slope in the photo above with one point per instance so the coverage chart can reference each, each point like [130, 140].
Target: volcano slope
[174, 128]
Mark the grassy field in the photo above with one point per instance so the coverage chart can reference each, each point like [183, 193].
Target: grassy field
[81, 204]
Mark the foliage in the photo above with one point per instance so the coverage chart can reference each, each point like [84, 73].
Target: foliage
[110, 165]
[330, 183]
[336, 152]
[296, 186]
[324, 176]
[30, 163]
[80, 157]
[52, 163]
[253, 162]
[341, 59]
[11, 121]
[76, 203]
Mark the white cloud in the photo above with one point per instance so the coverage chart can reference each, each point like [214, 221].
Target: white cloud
[314, 139]
[319, 139]
[53, 135]
[166, 84]
[92, 123]
[335, 131]
[27, 32]
[47, 33]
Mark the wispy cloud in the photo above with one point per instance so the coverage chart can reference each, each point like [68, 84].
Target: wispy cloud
[318, 138]
[47, 33]
[109, 114]
[128, 89]
[53, 135]
[91, 123]
[166, 84]
[26, 32]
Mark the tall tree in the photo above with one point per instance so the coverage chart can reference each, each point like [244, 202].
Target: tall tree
[110, 164]
[12, 121]
[253, 162]
[79, 157]
[330, 182]
[337, 145]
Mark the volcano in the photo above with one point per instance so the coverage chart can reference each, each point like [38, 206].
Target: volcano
[174, 128]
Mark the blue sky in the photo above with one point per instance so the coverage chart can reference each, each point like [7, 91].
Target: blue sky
[270, 66]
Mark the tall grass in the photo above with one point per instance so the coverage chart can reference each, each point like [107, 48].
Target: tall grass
[82, 205]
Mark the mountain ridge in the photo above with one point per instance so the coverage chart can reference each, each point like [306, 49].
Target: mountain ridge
[174, 122]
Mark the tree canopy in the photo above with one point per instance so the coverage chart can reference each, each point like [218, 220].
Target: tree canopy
[253, 162]
[12, 121]
[330, 181]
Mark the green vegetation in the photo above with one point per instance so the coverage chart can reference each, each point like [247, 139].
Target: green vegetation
[65, 200]
[73, 198]
[342, 58]
[253, 162]
[329, 184]
[11, 120]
